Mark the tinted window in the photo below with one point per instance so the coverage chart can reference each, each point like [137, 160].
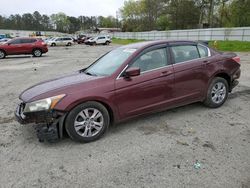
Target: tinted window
[67, 39]
[58, 39]
[151, 60]
[28, 40]
[203, 51]
[15, 41]
[185, 53]
[101, 37]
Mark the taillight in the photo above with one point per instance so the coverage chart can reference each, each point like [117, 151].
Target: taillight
[237, 59]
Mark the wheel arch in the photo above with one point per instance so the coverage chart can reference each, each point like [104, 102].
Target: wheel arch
[3, 51]
[105, 104]
[222, 74]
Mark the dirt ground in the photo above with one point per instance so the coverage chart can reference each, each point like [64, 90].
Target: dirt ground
[159, 150]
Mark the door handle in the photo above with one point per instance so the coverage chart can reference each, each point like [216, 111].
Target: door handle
[206, 61]
[166, 73]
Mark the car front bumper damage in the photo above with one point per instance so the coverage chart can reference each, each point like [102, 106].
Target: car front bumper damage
[49, 123]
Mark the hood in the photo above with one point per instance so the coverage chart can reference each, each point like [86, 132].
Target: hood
[55, 84]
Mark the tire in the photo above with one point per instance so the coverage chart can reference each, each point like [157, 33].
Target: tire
[53, 44]
[69, 44]
[217, 93]
[37, 53]
[82, 127]
[107, 42]
[2, 54]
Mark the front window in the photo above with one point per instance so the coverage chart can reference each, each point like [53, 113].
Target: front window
[110, 62]
[152, 60]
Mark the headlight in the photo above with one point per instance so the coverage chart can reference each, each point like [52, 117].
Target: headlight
[44, 104]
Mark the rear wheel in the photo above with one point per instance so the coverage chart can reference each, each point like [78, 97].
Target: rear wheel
[87, 122]
[37, 53]
[217, 93]
[2, 54]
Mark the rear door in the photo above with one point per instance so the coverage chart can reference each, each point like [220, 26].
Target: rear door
[149, 91]
[189, 72]
[27, 45]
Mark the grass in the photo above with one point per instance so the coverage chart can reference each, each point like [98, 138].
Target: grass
[233, 46]
[125, 41]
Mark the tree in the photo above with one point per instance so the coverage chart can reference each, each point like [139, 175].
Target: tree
[60, 22]
[74, 24]
[184, 14]
[240, 15]
[37, 25]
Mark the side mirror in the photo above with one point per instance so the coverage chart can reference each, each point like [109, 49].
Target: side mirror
[132, 71]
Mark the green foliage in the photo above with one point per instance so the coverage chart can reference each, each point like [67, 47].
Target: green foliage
[233, 46]
[58, 22]
[125, 41]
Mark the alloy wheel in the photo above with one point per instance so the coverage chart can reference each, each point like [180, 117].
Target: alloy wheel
[37, 53]
[89, 122]
[218, 92]
[2, 55]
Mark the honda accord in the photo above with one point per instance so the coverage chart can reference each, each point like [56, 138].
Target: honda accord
[129, 81]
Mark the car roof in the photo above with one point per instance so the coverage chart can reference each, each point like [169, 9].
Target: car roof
[24, 38]
[157, 42]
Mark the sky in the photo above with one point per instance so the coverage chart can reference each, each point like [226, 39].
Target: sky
[69, 7]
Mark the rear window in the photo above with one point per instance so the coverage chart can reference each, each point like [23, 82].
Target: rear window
[185, 53]
[203, 51]
[28, 40]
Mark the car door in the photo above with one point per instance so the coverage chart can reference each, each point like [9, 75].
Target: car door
[27, 45]
[151, 89]
[14, 47]
[189, 73]
[59, 41]
[101, 40]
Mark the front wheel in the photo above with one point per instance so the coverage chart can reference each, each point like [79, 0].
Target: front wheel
[2, 54]
[69, 44]
[217, 93]
[87, 122]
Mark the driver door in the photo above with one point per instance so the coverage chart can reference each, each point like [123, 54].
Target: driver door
[14, 47]
[151, 89]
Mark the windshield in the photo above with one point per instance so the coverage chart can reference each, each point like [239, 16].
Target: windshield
[109, 63]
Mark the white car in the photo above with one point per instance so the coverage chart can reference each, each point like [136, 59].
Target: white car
[99, 40]
[60, 41]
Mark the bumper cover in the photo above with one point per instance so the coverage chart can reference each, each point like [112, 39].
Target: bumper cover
[49, 123]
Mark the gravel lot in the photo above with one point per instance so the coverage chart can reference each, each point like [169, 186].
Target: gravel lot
[159, 150]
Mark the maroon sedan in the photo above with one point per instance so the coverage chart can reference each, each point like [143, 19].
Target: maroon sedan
[18, 46]
[127, 82]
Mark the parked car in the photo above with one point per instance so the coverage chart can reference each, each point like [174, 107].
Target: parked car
[4, 40]
[129, 81]
[99, 40]
[60, 41]
[18, 46]
[82, 39]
